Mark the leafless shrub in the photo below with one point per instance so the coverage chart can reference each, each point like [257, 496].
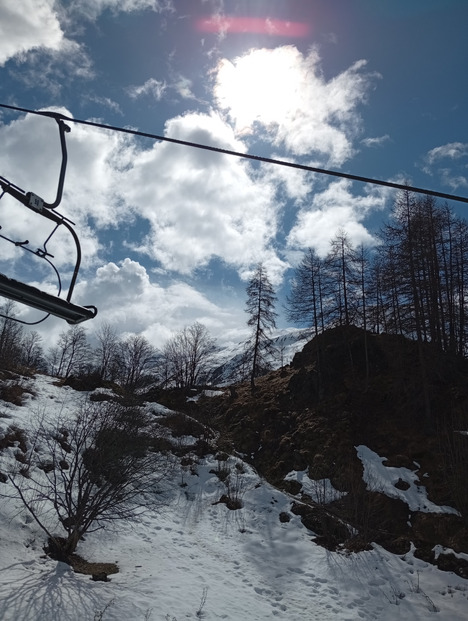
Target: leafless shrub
[236, 488]
[103, 460]
[416, 588]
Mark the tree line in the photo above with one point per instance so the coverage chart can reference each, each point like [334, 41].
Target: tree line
[412, 283]
[129, 362]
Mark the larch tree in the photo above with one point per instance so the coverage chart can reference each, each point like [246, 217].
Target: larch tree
[305, 301]
[260, 307]
[341, 271]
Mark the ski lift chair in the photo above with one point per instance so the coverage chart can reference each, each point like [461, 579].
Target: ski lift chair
[26, 294]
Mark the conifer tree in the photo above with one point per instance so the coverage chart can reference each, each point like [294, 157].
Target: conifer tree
[306, 299]
[260, 307]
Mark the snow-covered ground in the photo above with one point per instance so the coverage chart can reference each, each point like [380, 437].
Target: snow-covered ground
[194, 559]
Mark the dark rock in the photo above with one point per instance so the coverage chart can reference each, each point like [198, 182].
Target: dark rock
[403, 485]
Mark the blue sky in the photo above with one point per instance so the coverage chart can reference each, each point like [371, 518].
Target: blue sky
[170, 234]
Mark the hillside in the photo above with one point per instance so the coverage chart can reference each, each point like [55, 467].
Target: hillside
[265, 511]
[312, 416]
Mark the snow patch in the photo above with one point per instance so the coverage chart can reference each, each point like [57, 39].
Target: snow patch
[380, 478]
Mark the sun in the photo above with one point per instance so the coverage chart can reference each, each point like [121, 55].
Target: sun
[261, 86]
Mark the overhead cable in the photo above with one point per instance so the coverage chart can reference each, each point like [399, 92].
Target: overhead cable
[247, 156]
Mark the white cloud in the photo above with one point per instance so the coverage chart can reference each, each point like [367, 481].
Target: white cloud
[201, 204]
[453, 180]
[55, 67]
[26, 25]
[152, 87]
[157, 89]
[452, 150]
[179, 206]
[288, 95]
[377, 141]
[93, 8]
[295, 183]
[106, 102]
[183, 87]
[450, 163]
[34, 32]
[332, 210]
[126, 297]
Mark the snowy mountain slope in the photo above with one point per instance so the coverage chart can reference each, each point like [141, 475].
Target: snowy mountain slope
[195, 558]
[227, 361]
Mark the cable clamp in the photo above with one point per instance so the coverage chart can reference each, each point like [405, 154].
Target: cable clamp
[35, 202]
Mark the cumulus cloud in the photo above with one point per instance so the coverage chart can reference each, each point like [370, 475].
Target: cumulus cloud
[126, 297]
[292, 183]
[332, 210]
[31, 158]
[28, 25]
[286, 93]
[35, 33]
[201, 204]
[190, 205]
[129, 299]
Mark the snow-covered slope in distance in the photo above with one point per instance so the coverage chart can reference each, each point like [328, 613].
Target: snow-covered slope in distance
[227, 361]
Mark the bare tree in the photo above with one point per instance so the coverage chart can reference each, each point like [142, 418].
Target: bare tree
[136, 357]
[341, 269]
[187, 355]
[32, 353]
[305, 301]
[260, 306]
[106, 354]
[90, 471]
[11, 333]
[72, 352]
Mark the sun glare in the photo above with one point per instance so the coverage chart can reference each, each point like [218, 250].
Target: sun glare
[260, 86]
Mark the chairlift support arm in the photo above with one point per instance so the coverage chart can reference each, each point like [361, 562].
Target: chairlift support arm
[31, 296]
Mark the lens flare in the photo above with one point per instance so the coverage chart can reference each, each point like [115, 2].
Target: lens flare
[257, 25]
